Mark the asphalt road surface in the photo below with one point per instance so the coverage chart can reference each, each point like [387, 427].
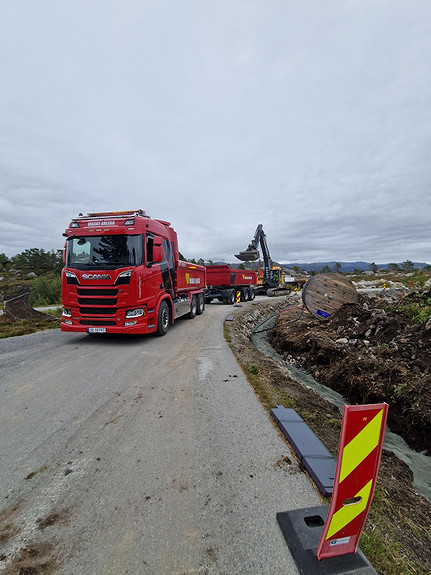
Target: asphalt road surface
[140, 455]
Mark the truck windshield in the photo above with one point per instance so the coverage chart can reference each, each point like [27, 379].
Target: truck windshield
[111, 251]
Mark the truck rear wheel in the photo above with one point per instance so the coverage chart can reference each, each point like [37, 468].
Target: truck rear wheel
[193, 308]
[163, 318]
[245, 295]
[200, 304]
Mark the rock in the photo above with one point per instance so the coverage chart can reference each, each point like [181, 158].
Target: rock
[32, 275]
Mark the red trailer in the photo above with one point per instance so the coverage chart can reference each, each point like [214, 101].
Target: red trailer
[223, 283]
[123, 274]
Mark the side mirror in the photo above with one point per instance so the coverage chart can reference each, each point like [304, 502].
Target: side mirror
[157, 250]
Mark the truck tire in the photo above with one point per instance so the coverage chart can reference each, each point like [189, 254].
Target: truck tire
[230, 297]
[193, 308]
[163, 318]
[252, 294]
[200, 304]
[245, 295]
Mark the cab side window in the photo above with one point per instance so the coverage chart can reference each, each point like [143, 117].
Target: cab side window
[149, 248]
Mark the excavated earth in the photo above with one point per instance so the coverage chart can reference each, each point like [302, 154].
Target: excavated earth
[368, 354]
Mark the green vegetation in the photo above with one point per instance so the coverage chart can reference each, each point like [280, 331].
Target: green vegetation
[9, 328]
[45, 291]
[419, 312]
[34, 260]
[35, 269]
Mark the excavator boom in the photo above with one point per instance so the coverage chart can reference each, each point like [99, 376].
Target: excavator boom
[252, 253]
[271, 281]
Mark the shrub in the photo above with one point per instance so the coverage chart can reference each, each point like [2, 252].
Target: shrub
[45, 291]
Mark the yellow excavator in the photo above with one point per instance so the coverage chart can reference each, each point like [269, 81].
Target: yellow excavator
[269, 279]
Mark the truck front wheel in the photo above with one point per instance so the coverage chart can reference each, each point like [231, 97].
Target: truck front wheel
[163, 319]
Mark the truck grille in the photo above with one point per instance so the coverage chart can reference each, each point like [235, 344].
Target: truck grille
[97, 301]
[97, 311]
[96, 322]
[99, 291]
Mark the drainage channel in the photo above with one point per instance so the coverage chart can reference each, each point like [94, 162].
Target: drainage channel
[418, 463]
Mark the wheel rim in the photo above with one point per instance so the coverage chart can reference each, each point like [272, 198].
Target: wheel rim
[165, 318]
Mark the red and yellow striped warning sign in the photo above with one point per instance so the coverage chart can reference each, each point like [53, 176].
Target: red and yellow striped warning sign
[359, 452]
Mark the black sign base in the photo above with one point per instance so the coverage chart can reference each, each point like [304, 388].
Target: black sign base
[302, 529]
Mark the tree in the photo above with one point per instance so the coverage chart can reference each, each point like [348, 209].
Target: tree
[408, 266]
[38, 260]
[337, 267]
[325, 270]
[373, 267]
[394, 267]
[4, 260]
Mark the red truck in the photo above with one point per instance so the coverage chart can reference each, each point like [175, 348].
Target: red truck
[223, 283]
[122, 274]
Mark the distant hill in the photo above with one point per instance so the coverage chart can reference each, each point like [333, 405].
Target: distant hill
[349, 266]
[345, 266]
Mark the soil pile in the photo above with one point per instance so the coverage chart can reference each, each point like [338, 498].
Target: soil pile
[369, 353]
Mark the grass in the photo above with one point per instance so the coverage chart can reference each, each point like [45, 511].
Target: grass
[9, 328]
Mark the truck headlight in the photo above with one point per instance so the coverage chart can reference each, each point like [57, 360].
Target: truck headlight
[138, 312]
[69, 274]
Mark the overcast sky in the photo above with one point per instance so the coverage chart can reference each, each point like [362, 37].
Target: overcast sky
[312, 118]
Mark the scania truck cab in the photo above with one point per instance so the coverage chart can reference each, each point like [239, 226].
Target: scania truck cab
[122, 274]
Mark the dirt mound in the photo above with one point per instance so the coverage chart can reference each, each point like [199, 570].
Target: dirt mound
[369, 354]
[17, 307]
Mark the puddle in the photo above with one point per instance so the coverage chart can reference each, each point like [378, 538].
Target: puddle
[419, 463]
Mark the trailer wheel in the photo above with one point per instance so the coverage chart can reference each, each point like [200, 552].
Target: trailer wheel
[230, 297]
[163, 319]
[200, 304]
[245, 295]
[193, 308]
[252, 294]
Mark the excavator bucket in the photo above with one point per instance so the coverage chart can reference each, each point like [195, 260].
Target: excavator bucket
[248, 255]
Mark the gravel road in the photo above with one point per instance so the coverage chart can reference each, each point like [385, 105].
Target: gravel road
[140, 455]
